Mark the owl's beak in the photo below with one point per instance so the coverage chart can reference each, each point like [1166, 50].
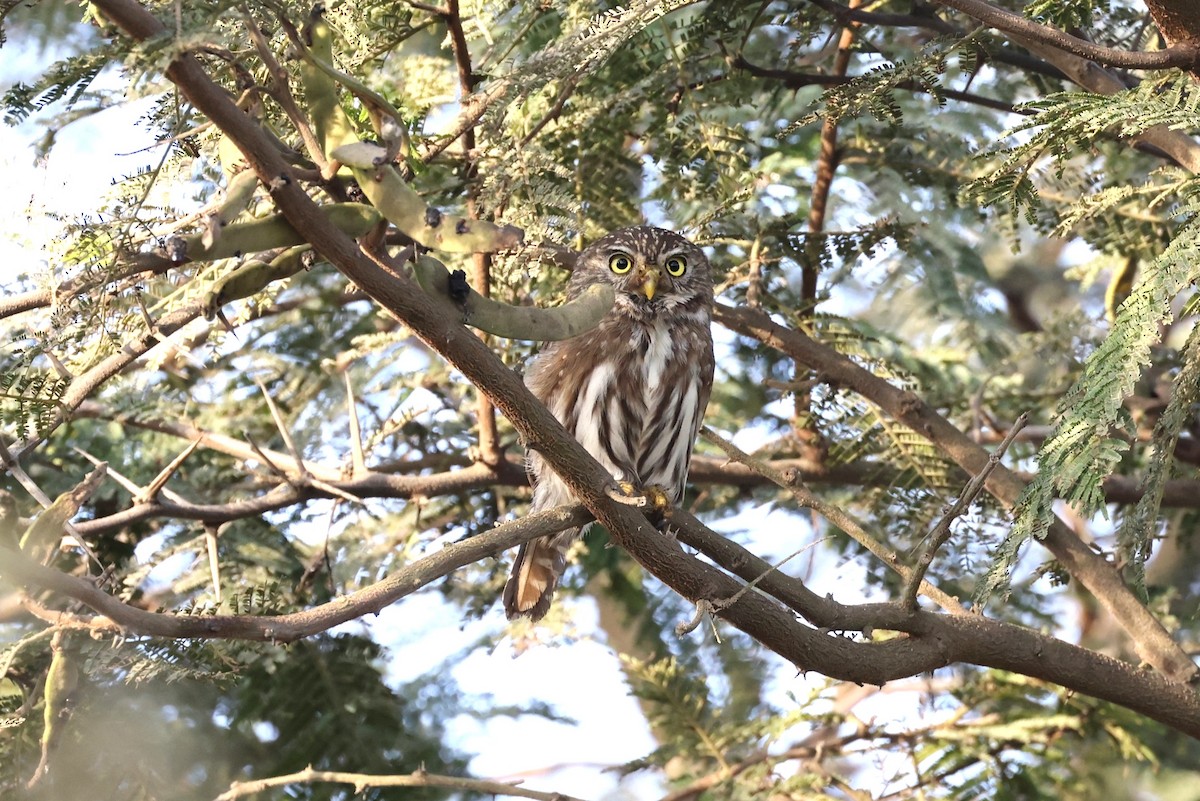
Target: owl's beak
[649, 284]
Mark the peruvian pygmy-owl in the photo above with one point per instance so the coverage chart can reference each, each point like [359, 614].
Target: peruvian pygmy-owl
[632, 390]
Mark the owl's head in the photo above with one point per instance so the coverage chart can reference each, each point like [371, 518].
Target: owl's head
[653, 270]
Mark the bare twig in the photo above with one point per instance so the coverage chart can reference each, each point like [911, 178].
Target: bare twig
[214, 565]
[941, 531]
[88, 382]
[288, 442]
[794, 79]
[833, 514]
[281, 91]
[704, 610]
[705, 607]
[157, 484]
[361, 781]
[358, 458]
[139, 494]
[13, 467]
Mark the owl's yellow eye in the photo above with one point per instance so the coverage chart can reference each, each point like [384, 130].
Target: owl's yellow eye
[676, 265]
[620, 263]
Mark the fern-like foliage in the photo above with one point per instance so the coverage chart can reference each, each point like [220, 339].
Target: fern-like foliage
[29, 399]
[1138, 529]
[1068, 124]
[1091, 434]
[66, 81]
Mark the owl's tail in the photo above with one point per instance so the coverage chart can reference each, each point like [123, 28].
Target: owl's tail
[535, 573]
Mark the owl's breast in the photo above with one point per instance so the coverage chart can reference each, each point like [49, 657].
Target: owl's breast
[632, 392]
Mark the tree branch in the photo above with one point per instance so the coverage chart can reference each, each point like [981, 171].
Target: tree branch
[361, 781]
[793, 79]
[839, 518]
[946, 638]
[84, 384]
[941, 532]
[1150, 639]
[1184, 54]
[117, 617]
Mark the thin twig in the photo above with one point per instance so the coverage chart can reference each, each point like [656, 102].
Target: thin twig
[564, 94]
[13, 467]
[794, 79]
[211, 533]
[282, 92]
[941, 531]
[88, 382]
[834, 515]
[489, 450]
[138, 493]
[705, 607]
[358, 458]
[281, 425]
[156, 485]
[361, 781]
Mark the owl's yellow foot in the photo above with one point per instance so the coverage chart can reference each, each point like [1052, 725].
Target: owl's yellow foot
[657, 496]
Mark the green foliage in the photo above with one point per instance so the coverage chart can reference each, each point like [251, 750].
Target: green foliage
[28, 400]
[703, 117]
[1092, 432]
[67, 81]
[1070, 14]
[1065, 127]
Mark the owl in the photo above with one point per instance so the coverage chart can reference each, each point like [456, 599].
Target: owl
[632, 390]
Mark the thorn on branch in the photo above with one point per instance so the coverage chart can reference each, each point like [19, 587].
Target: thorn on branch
[704, 609]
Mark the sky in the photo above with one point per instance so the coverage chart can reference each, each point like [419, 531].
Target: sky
[77, 173]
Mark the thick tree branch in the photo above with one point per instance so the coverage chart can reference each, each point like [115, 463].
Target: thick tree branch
[1184, 54]
[1177, 19]
[1151, 640]
[967, 638]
